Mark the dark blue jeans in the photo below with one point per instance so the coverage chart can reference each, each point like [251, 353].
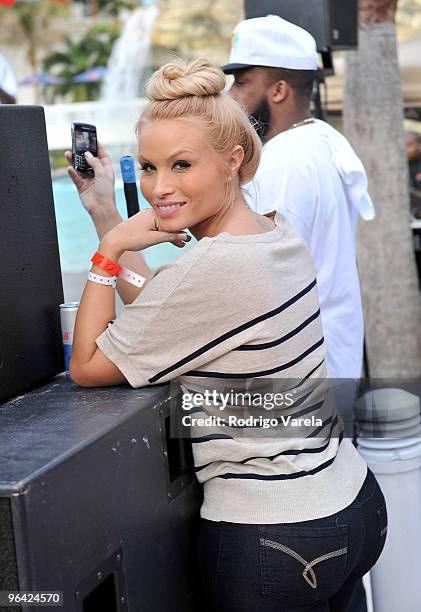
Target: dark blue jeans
[293, 567]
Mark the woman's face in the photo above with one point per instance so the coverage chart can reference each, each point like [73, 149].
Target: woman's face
[180, 177]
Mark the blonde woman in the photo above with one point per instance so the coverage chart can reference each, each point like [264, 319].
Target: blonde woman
[291, 517]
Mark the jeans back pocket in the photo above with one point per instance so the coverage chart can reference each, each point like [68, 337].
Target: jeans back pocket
[302, 563]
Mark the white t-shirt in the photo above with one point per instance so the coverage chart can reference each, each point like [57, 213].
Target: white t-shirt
[312, 176]
[7, 78]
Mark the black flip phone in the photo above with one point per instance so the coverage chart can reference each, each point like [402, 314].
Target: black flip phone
[83, 139]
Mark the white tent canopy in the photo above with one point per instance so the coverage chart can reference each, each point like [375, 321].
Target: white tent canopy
[409, 53]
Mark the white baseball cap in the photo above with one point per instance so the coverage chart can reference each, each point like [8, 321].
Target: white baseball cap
[271, 41]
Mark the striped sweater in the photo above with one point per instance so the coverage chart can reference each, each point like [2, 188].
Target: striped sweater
[236, 321]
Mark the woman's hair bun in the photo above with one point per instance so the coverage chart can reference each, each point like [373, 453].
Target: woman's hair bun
[179, 79]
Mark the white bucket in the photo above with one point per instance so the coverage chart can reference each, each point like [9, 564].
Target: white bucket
[396, 463]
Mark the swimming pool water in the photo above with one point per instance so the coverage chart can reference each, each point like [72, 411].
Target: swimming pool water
[77, 236]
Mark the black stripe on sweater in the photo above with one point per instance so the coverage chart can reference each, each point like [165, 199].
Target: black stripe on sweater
[211, 437]
[293, 476]
[278, 420]
[316, 432]
[284, 366]
[291, 334]
[309, 374]
[301, 451]
[233, 332]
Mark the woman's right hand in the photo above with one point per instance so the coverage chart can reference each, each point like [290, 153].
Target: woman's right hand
[97, 194]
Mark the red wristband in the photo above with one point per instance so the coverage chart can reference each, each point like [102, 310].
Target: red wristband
[106, 264]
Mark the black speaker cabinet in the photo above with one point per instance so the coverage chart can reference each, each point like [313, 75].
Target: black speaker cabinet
[31, 289]
[333, 23]
[96, 500]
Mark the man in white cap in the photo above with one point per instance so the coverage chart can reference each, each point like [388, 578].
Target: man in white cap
[308, 172]
[8, 85]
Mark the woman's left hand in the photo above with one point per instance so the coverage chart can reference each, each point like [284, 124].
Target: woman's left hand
[139, 232]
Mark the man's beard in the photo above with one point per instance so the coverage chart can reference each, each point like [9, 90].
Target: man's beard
[262, 118]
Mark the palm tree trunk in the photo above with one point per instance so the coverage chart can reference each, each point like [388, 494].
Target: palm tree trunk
[373, 122]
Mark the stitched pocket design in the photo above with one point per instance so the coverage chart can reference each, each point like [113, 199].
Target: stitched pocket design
[310, 562]
[308, 572]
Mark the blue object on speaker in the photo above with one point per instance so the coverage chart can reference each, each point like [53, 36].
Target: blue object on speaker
[127, 169]
[130, 188]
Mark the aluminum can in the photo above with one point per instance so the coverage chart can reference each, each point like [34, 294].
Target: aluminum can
[68, 313]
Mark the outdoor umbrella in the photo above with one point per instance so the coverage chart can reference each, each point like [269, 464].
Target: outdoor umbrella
[89, 76]
[41, 79]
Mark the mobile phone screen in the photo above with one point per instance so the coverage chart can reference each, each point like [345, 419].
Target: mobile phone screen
[85, 141]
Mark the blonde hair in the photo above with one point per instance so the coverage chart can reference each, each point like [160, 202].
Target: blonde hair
[180, 90]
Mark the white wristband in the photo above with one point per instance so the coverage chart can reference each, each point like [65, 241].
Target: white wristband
[111, 281]
[132, 277]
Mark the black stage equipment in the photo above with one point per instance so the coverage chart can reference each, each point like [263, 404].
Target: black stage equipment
[333, 23]
[97, 501]
[31, 350]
